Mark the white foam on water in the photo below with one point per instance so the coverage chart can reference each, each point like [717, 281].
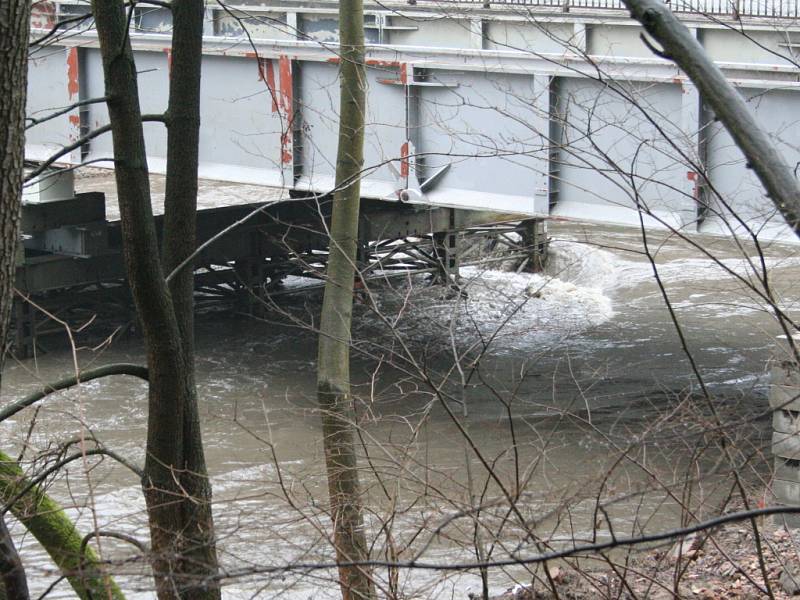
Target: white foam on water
[583, 264]
[513, 309]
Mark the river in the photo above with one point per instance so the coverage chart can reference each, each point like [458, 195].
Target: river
[585, 395]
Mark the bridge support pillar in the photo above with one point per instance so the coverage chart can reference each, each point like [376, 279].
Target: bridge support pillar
[251, 274]
[445, 249]
[784, 399]
[25, 329]
[534, 244]
[693, 122]
[251, 271]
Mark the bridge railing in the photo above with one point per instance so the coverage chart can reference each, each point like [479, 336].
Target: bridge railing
[789, 9]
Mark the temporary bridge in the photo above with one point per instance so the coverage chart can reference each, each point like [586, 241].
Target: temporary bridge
[478, 113]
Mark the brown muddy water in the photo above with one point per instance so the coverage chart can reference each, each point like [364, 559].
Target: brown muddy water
[572, 384]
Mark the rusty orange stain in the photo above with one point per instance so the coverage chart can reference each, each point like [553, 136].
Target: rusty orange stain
[404, 160]
[73, 85]
[43, 15]
[403, 80]
[334, 60]
[75, 120]
[373, 62]
[286, 153]
[285, 73]
[271, 85]
[266, 72]
[250, 55]
[695, 177]
[286, 102]
[168, 52]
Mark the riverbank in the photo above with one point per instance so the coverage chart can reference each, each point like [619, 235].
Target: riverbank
[720, 564]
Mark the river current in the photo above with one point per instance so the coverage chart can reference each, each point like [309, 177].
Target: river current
[572, 384]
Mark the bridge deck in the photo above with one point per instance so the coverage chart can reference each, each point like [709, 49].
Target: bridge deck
[567, 116]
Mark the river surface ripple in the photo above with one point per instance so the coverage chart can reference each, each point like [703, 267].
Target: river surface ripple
[583, 396]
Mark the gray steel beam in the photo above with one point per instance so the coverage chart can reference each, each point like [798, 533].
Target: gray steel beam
[83, 208]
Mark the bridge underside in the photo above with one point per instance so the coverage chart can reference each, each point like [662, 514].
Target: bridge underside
[70, 264]
[475, 117]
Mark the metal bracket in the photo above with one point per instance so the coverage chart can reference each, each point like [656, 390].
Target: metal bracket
[411, 188]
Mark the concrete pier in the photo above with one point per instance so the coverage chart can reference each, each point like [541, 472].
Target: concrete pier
[784, 399]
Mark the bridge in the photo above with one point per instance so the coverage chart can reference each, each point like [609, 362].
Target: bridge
[479, 114]
[717, 8]
[484, 119]
[520, 107]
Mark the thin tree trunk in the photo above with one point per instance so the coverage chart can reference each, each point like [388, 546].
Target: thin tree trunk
[14, 32]
[184, 558]
[179, 240]
[333, 365]
[183, 143]
[776, 175]
[12, 573]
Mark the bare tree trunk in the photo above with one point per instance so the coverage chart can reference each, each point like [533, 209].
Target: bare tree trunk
[184, 557]
[679, 45]
[333, 365]
[183, 143]
[12, 573]
[179, 241]
[14, 31]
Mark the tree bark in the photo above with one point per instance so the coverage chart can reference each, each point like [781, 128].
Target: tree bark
[183, 144]
[14, 32]
[333, 364]
[179, 241]
[680, 46]
[12, 573]
[175, 483]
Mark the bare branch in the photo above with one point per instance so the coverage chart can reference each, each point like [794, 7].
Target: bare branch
[762, 156]
[33, 122]
[112, 534]
[57, 26]
[577, 550]
[80, 142]
[68, 382]
[31, 484]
